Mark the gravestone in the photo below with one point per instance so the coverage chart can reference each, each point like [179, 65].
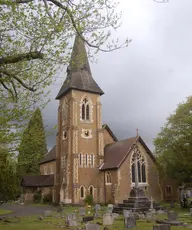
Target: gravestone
[82, 211]
[71, 223]
[108, 219]
[115, 215]
[88, 218]
[47, 213]
[60, 209]
[110, 208]
[130, 222]
[90, 226]
[159, 212]
[97, 207]
[190, 211]
[126, 213]
[162, 227]
[71, 216]
[149, 216]
[172, 205]
[96, 214]
[172, 216]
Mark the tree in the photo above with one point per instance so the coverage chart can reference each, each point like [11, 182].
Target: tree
[8, 179]
[35, 43]
[174, 144]
[33, 146]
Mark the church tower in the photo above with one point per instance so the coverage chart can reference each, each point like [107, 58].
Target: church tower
[79, 144]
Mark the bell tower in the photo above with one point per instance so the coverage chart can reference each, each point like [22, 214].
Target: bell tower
[79, 144]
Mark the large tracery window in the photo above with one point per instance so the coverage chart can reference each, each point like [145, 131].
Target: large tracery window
[141, 168]
[85, 109]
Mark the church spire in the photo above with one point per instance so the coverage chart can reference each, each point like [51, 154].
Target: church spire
[79, 75]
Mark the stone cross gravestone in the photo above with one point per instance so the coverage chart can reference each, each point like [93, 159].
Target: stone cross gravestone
[130, 222]
[47, 213]
[126, 213]
[172, 216]
[82, 211]
[90, 226]
[162, 227]
[108, 219]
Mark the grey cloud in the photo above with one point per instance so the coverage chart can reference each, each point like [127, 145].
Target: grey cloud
[143, 83]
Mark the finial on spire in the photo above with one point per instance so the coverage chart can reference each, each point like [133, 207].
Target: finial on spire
[137, 132]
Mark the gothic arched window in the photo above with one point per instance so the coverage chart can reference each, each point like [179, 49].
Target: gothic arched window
[87, 112]
[82, 192]
[83, 111]
[91, 190]
[108, 178]
[86, 109]
[141, 168]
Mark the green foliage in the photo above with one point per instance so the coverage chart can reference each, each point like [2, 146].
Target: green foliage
[36, 44]
[8, 179]
[89, 200]
[47, 199]
[33, 146]
[37, 197]
[174, 144]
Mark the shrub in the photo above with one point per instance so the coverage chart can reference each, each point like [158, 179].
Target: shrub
[47, 199]
[37, 197]
[89, 200]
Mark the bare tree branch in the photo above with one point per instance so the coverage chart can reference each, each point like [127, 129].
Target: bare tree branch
[20, 57]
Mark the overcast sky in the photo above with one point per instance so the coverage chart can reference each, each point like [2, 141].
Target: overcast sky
[143, 83]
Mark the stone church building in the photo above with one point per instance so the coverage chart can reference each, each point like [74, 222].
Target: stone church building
[88, 158]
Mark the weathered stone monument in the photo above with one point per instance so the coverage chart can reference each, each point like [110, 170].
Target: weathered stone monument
[137, 201]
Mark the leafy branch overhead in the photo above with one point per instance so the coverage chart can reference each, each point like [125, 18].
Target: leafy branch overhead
[35, 43]
[43, 30]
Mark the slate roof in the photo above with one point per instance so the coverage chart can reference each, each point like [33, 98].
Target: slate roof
[37, 181]
[79, 75]
[105, 126]
[115, 153]
[50, 156]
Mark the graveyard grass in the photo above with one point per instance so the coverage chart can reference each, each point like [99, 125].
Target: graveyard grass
[4, 211]
[51, 223]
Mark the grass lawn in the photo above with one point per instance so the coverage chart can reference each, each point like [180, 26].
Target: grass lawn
[5, 211]
[51, 223]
